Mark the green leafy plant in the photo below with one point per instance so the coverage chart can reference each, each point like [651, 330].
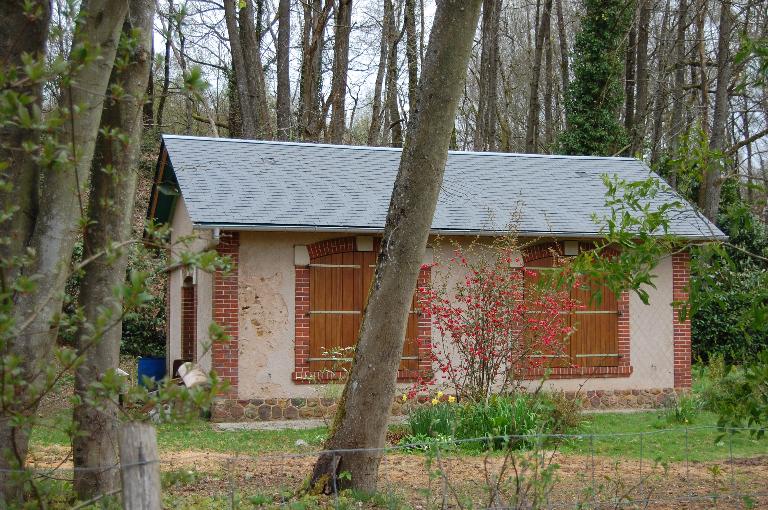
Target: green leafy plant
[682, 409]
[433, 420]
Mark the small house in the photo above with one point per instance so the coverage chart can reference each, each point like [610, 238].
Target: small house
[302, 223]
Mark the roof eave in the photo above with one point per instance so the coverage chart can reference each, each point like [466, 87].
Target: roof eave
[251, 227]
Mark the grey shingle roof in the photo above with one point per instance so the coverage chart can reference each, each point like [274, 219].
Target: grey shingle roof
[283, 185]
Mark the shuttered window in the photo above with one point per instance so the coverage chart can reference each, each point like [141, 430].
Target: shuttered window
[595, 340]
[338, 292]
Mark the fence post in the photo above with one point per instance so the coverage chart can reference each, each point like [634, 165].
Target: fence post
[139, 466]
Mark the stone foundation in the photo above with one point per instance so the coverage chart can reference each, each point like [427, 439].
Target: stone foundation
[627, 399]
[230, 410]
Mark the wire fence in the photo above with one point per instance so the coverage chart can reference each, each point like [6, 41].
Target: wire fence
[687, 467]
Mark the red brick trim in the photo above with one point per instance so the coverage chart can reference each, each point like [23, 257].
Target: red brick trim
[188, 322]
[541, 250]
[623, 339]
[301, 319]
[226, 314]
[681, 274]
[424, 337]
[579, 372]
[331, 246]
[302, 373]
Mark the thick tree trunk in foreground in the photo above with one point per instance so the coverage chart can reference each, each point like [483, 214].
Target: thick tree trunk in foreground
[283, 70]
[110, 211]
[56, 223]
[361, 420]
[19, 34]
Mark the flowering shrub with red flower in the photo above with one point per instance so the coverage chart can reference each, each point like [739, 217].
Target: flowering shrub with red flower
[497, 322]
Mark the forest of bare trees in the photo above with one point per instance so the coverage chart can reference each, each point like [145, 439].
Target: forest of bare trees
[347, 71]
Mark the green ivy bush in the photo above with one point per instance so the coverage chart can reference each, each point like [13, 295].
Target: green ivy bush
[144, 331]
[730, 291]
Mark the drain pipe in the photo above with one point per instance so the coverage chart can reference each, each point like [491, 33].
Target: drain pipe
[215, 239]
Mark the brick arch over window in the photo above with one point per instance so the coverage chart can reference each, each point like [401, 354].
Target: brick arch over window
[331, 293]
[600, 347]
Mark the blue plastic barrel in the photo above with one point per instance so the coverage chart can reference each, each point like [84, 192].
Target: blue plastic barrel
[151, 367]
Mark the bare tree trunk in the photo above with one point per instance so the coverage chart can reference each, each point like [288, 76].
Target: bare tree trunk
[709, 192]
[411, 53]
[678, 91]
[283, 70]
[110, 210]
[250, 43]
[248, 115]
[181, 57]
[549, 128]
[641, 107]
[316, 17]
[701, 16]
[629, 79]
[562, 38]
[56, 224]
[166, 67]
[340, 67]
[361, 419]
[234, 115]
[149, 104]
[532, 124]
[662, 89]
[485, 120]
[375, 127]
[393, 109]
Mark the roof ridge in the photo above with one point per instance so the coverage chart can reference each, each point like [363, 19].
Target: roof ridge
[393, 149]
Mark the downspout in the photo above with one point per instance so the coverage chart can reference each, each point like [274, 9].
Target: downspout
[215, 239]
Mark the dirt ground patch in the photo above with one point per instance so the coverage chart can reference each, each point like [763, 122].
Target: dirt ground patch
[415, 480]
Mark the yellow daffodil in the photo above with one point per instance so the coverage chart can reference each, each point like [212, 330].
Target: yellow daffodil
[439, 394]
[451, 399]
[435, 401]
[405, 397]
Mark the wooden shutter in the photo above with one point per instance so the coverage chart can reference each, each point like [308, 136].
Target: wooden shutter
[534, 273]
[338, 293]
[594, 342]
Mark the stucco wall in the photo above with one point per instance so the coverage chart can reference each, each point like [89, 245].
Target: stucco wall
[181, 227]
[266, 281]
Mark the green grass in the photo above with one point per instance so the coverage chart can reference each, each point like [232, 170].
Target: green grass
[660, 439]
[199, 435]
